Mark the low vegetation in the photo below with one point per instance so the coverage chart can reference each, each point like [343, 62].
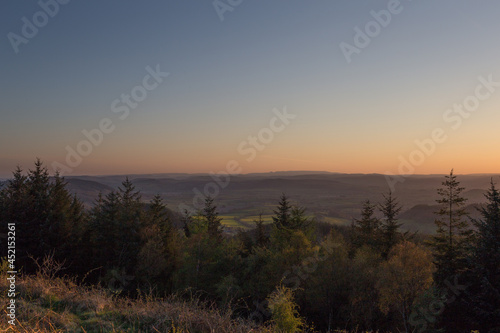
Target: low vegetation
[46, 303]
[123, 266]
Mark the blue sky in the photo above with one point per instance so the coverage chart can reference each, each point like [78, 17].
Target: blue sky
[226, 77]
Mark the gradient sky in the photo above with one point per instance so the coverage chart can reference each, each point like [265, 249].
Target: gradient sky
[226, 77]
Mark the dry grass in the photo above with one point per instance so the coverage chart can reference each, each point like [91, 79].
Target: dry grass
[47, 303]
[53, 304]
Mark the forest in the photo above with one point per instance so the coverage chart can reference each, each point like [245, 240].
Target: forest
[293, 275]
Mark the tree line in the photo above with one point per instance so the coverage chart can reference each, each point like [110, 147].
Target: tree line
[295, 272]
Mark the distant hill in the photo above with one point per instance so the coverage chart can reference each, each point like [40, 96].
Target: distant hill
[87, 190]
[329, 196]
[288, 173]
[422, 217]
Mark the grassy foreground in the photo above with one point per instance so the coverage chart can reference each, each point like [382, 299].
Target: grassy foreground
[48, 304]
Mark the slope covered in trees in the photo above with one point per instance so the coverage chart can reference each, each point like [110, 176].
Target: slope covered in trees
[293, 275]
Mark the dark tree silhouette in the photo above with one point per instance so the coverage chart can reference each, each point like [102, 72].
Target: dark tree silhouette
[453, 235]
[390, 208]
[212, 219]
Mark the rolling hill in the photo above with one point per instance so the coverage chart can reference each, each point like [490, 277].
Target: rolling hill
[327, 196]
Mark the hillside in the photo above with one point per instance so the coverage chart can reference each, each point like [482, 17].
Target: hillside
[131, 266]
[331, 197]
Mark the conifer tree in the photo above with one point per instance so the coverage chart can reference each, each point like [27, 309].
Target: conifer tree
[484, 262]
[158, 256]
[129, 197]
[282, 218]
[114, 231]
[38, 209]
[14, 196]
[159, 216]
[108, 232]
[45, 213]
[97, 208]
[130, 215]
[299, 220]
[60, 232]
[56, 229]
[13, 201]
[212, 219]
[289, 219]
[77, 243]
[77, 212]
[390, 226]
[366, 230]
[453, 235]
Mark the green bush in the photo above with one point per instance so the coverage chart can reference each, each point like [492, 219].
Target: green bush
[285, 315]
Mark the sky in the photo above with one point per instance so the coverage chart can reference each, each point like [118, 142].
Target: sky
[128, 87]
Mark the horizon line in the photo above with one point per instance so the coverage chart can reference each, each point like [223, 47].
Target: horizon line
[268, 172]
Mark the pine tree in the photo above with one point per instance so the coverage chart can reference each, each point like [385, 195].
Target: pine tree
[366, 230]
[290, 218]
[78, 243]
[390, 226]
[97, 208]
[104, 233]
[484, 263]
[157, 214]
[95, 248]
[130, 207]
[282, 218]
[158, 256]
[283, 223]
[62, 229]
[453, 236]
[13, 201]
[45, 213]
[109, 232]
[14, 197]
[300, 222]
[114, 232]
[129, 222]
[57, 228]
[38, 210]
[78, 214]
[129, 197]
[212, 219]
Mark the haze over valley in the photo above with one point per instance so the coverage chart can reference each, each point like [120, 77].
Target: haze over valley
[330, 197]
